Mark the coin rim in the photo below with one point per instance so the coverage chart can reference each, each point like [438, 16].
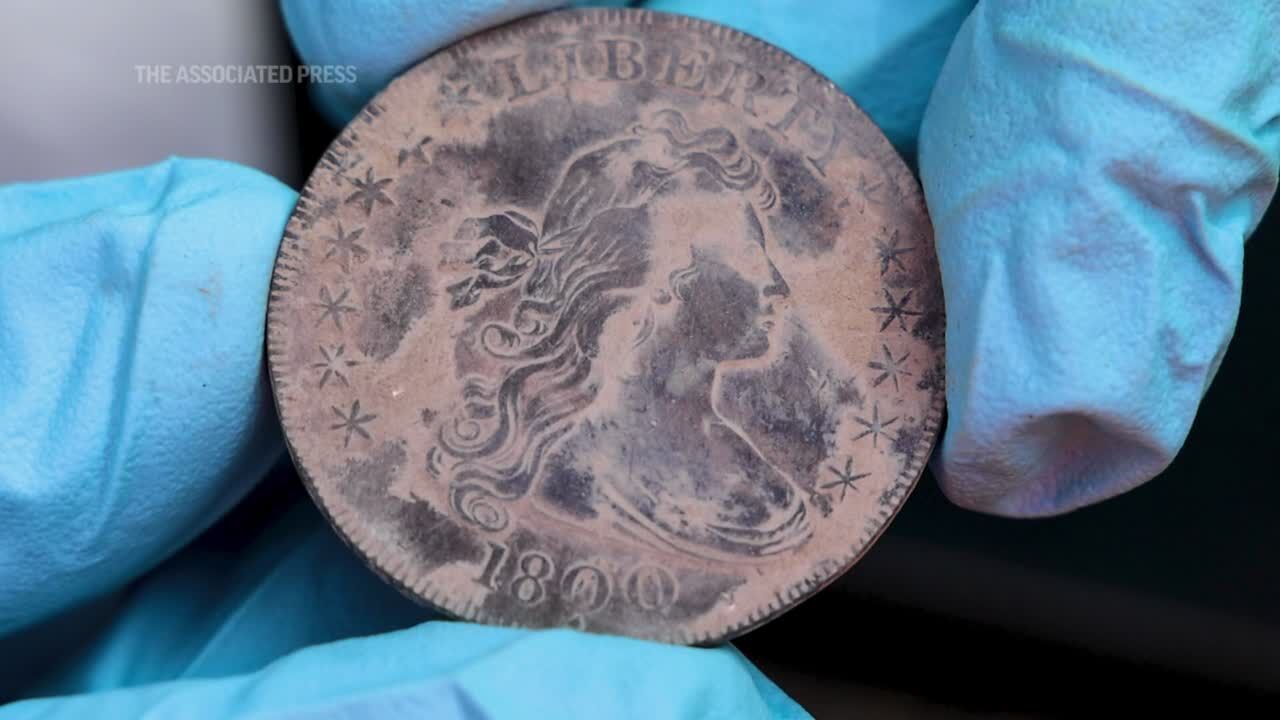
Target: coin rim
[782, 601]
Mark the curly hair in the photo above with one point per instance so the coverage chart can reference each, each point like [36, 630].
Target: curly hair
[593, 251]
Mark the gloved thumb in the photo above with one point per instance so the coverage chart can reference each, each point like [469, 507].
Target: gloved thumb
[133, 407]
[1092, 171]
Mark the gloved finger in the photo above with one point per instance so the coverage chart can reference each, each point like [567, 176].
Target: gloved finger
[1092, 171]
[133, 409]
[375, 40]
[886, 54]
[460, 670]
[200, 617]
[230, 603]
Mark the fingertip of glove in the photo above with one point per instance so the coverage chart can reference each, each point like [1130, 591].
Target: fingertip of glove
[1049, 465]
[1090, 188]
[229, 213]
[372, 41]
[206, 178]
[134, 408]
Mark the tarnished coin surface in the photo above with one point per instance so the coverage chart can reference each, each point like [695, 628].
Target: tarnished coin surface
[614, 320]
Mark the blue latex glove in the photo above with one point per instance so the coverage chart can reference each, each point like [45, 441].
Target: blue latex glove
[1092, 170]
[1152, 135]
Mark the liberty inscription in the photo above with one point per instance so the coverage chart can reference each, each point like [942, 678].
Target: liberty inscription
[613, 320]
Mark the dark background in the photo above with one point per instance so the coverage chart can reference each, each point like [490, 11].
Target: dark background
[1168, 596]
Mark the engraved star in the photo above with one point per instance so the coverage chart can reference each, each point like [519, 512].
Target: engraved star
[343, 247]
[455, 99]
[351, 422]
[333, 365]
[333, 307]
[458, 95]
[869, 190]
[845, 479]
[820, 501]
[414, 151]
[896, 310]
[369, 192]
[319, 211]
[890, 367]
[889, 252]
[817, 382]
[875, 427]
[349, 162]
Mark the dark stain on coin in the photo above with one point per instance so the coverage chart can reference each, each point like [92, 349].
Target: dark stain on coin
[931, 327]
[430, 537]
[909, 438]
[796, 396]
[511, 173]
[569, 489]
[807, 221]
[612, 320]
[395, 298]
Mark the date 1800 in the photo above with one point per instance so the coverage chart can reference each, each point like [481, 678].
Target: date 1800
[584, 587]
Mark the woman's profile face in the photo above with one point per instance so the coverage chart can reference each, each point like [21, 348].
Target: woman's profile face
[727, 304]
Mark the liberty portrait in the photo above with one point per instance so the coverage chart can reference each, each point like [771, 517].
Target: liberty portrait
[595, 337]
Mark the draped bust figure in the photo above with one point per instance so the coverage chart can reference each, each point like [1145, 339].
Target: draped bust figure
[596, 342]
